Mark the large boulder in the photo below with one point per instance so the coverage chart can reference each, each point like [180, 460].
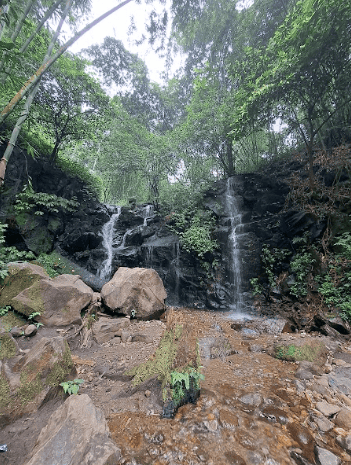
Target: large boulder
[59, 301]
[135, 289]
[76, 434]
[27, 381]
[20, 276]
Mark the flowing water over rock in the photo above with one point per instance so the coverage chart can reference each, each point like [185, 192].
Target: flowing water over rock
[237, 305]
[108, 238]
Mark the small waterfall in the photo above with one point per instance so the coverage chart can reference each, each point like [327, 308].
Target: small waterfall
[149, 254]
[108, 235]
[148, 212]
[235, 216]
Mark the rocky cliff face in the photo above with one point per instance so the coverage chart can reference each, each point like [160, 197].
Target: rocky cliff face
[141, 238]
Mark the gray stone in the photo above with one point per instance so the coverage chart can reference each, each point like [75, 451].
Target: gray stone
[300, 386]
[31, 330]
[16, 332]
[326, 409]
[345, 442]
[301, 373]
[142, 338]
[106, 329]
[340, 378]
[324, 424]
[76, 433]
[325, 457]
[343, 419]
[255, 348]
[253, 399]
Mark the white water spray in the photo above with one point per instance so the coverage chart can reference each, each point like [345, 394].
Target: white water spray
[108, 235]
[237, 305]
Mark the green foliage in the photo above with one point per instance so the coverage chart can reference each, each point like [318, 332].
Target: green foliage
[54, 264]
[10, 254]
[29, 200]
[161, 362]
[195, 230]
[301, 265]
[180, 381]
[270, 258]
[335, 285]
[72, 387]
[257, 287]
[295, 353]
[4, 310]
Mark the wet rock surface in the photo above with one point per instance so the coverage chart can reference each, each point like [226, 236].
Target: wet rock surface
[252, 408]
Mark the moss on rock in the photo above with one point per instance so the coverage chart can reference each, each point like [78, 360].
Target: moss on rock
[15, 283]
[8, 347]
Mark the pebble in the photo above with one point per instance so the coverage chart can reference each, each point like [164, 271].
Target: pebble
[325, 457]
[324, 424]
[327, 409]
[30, 331]
[147, 393]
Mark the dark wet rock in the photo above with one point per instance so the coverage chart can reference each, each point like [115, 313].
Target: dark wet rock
[16, 332]
[325, 457]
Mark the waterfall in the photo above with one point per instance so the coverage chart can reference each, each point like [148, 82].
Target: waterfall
[235, 216]
[148, 212]
[108, 235]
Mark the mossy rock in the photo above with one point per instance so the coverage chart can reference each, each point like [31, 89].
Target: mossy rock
[10, 320]
[8, 347]
[39, 372]
[20, 277]
[311, 351]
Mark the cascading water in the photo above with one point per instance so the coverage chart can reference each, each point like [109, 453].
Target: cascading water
[148, 212]
[237, 305]
[108, 236]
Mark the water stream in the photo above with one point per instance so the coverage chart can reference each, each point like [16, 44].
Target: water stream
[237, 305]
[108, 236]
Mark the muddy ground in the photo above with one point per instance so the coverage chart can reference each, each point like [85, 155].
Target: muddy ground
[252, 409]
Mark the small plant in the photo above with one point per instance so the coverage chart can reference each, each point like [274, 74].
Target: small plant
[72, 387]
[181, 381]
[33, 315]
[257, 288]
[4, 310]
[29, 200]
[132, 313]
[10, 254]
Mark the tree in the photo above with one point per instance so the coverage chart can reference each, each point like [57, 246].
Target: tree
[302, 76]
[70, 104]
[33, 81]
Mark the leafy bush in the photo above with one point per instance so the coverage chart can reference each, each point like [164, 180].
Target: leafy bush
[28, 200]
[181, 381]
[10, 254]
[194, 229]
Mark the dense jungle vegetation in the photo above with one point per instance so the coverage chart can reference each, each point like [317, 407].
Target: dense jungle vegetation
[261, 79]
